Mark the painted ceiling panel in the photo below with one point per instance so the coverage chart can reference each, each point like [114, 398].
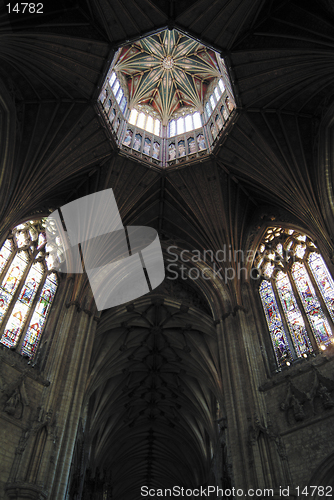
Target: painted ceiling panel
[167, 71]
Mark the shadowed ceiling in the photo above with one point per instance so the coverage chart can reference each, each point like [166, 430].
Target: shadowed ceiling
[274, 160]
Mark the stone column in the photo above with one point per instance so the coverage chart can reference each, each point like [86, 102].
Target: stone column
[256, 449]
[45, 462]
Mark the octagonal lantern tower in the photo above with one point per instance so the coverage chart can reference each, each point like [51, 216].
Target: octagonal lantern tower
[167, 99]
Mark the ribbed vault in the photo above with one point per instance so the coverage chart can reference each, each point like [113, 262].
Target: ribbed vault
[153, 392]
[270, 164]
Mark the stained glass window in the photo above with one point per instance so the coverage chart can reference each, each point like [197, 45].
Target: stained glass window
[39, 316]
[312, 307]
[323, 279]
[293, 315]
[5, 253]
[275, 324]
[28, 286]
[297, 288]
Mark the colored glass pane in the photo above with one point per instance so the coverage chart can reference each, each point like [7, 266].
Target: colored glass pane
[324, 280]
[22, 239]
[5, 299]
[5, 254]
[33, 234]
[311, 304]
[27, 234]
[15, 272]
[300, 251]
[31, 284]
[38, 319]
[41, 240]
[279, 249]
[275, 324]
[15, 324]
[293, 315]
[268, 269]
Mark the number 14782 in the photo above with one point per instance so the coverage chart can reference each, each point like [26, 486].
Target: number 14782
[321, 491]
[28, 8]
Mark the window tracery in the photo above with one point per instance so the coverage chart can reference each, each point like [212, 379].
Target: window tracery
[297, 294]
[28, 285]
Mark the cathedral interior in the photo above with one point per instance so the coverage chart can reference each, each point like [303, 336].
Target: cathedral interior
[212, 121]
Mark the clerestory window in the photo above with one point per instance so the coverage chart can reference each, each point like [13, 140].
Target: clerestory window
[28, 287]
[297, 294]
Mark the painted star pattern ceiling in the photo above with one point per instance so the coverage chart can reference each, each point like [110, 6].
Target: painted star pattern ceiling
[168, 72]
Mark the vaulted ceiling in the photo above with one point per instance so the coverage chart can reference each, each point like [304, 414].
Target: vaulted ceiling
[274, 160]
[168, 72]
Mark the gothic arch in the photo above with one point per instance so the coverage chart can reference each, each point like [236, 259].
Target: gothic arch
[324, 475]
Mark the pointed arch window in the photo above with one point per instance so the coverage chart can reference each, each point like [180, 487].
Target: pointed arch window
[28, 285]
[297, 294]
